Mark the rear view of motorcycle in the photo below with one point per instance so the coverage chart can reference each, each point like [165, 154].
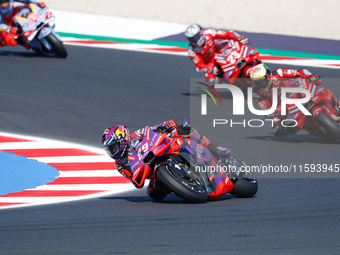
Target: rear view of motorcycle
[36, 29]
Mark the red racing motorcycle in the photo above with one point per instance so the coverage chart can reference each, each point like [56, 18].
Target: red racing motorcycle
[233, 60]
[325, 119]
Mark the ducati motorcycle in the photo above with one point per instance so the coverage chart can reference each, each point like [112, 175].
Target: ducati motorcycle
[324, 120]
[231, 60]
[185, 168]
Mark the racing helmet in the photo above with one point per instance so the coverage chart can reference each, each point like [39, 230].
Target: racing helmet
[115, 141]
[4, 3]
[260, 77]
[195, 35]
[6, 6]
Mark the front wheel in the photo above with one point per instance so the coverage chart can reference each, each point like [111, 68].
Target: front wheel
[183, 183]
[332, 128]
[58, 47]
[245, 185]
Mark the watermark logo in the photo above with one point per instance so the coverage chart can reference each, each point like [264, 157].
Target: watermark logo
[204, 97]
[239, 102]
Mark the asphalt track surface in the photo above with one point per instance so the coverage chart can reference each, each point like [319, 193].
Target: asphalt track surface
[76, 99]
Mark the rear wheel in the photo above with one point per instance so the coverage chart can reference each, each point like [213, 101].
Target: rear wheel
[58, 47]
[183, 183]
[245, 185]
[332, 128]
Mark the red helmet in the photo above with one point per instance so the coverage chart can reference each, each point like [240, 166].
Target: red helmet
[195, 35]
[115, 141]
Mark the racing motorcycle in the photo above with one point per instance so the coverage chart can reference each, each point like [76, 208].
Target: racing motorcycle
[325, 119]
[185, 168]
[36, 29]
[231, 60]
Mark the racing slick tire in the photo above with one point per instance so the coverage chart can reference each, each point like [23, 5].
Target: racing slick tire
[245, 185]
[181, 184]
[58, 47]
[333, 128]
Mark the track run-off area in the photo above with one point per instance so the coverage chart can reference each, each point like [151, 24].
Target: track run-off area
[84, 172]
[54, 112]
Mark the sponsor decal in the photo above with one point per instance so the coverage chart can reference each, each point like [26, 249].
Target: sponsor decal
[226, 179]
[158, 141]
[228, 69]
[131, 158]
[228, 74]
[148, 134]
[153, 139]
[211, 177]
[33, 18]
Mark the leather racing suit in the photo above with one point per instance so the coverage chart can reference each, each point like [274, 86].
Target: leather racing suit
[204, 56]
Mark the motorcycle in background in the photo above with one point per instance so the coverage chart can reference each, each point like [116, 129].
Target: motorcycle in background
[232, 59]
[36, 29]
[325, 119]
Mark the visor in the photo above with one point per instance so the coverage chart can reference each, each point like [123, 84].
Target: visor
[113, 149]
[262, 83]
[194, 39]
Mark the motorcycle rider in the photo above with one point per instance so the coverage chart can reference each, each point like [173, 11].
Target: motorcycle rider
[202, 47]
[117, 142]
[264, 80]
[8, 32]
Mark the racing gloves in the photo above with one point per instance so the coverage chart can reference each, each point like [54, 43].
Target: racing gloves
[244, 40]
[167, 127]
[170, 125]
[315, 79]
[42, 5]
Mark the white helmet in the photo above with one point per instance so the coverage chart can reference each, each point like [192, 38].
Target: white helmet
[195, 35]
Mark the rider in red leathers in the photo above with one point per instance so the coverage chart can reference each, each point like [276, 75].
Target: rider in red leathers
[264, 80]
[202, 48]
[118, 143]
[8, 32]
